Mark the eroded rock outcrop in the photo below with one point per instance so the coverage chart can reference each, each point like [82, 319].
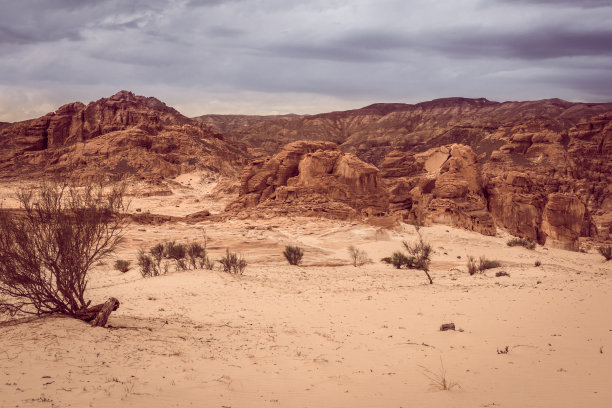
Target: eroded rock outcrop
[440, 185]
[122, 136]
[312, 177]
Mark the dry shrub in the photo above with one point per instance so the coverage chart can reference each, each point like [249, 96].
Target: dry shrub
[358, 256]
[471, 265]
[233, 263]
[484, 264]
[122, 265]
[438, 379]
[47, 251]
[524, 242]
[421, 252]
[176, 252]
[502, 273]
[293, 254]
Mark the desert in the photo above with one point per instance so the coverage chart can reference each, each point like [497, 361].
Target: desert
[325, 333]
[243, 204]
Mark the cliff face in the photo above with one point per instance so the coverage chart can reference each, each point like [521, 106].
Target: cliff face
[124, 135]
[541, 170]
[313, 178]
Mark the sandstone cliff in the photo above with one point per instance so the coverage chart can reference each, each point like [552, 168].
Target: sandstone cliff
[541, 170]
[310, 177]
[121, 136]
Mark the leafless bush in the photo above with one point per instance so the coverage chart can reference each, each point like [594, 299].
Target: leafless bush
[293, 254]
[421, 251]
[471, 265]
[47, 251]
[484, 264]
[196, 254]
[438, 379]
[176, 252]
[358, 256]
[233, 263]
[147, 265]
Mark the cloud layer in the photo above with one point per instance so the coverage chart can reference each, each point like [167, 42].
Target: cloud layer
[266, 56]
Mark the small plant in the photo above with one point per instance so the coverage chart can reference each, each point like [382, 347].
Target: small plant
[196, 254]
[537, 263]
[146, 264]
[176, 252]
[122, 265]
[501, 273]
[524, 242]
[421, 253]
[233, 263]
[504, 350]
[358, 256]
[438, 379]
[606, 252]
[399, 259]
[157, 252]
[293, 254]
[387, 260]
[484, 264]
[471, 265]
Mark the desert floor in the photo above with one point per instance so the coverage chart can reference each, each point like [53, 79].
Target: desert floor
[324, 334]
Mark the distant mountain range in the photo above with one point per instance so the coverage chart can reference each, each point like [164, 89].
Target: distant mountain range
[540, 169]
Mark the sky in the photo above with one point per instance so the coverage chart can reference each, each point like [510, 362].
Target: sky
[290, 56]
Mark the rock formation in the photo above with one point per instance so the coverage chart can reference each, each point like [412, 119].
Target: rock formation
[530, 168]
[310, 177]
[121, 136]
[440, 185]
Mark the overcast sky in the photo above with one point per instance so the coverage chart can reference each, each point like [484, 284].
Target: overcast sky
[307, 56]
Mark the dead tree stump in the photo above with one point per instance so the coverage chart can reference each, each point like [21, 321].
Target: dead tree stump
[104, 310]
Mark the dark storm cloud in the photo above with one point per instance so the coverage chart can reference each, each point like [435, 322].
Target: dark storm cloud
[540, 43]
[462, 43]
[191, 52]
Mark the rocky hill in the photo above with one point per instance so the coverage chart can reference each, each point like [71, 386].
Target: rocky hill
[374, 131]
[122, 136]
[541, 170]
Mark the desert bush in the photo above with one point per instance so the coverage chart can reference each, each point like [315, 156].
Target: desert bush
[196, 254]
[606, 252]
[358, 256]
[147, 264]
[176, 252]
[538, 263]
[233, 263]
[47, 251]
[471, 265]
[421, 252]
[484, 264]
[387, 260]
[524, 242]
[122, 265]
[399, 259]
[293, 254]
[502, 273]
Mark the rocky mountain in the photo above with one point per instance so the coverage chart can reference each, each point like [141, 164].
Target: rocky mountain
[112, 138]
[541, 170]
